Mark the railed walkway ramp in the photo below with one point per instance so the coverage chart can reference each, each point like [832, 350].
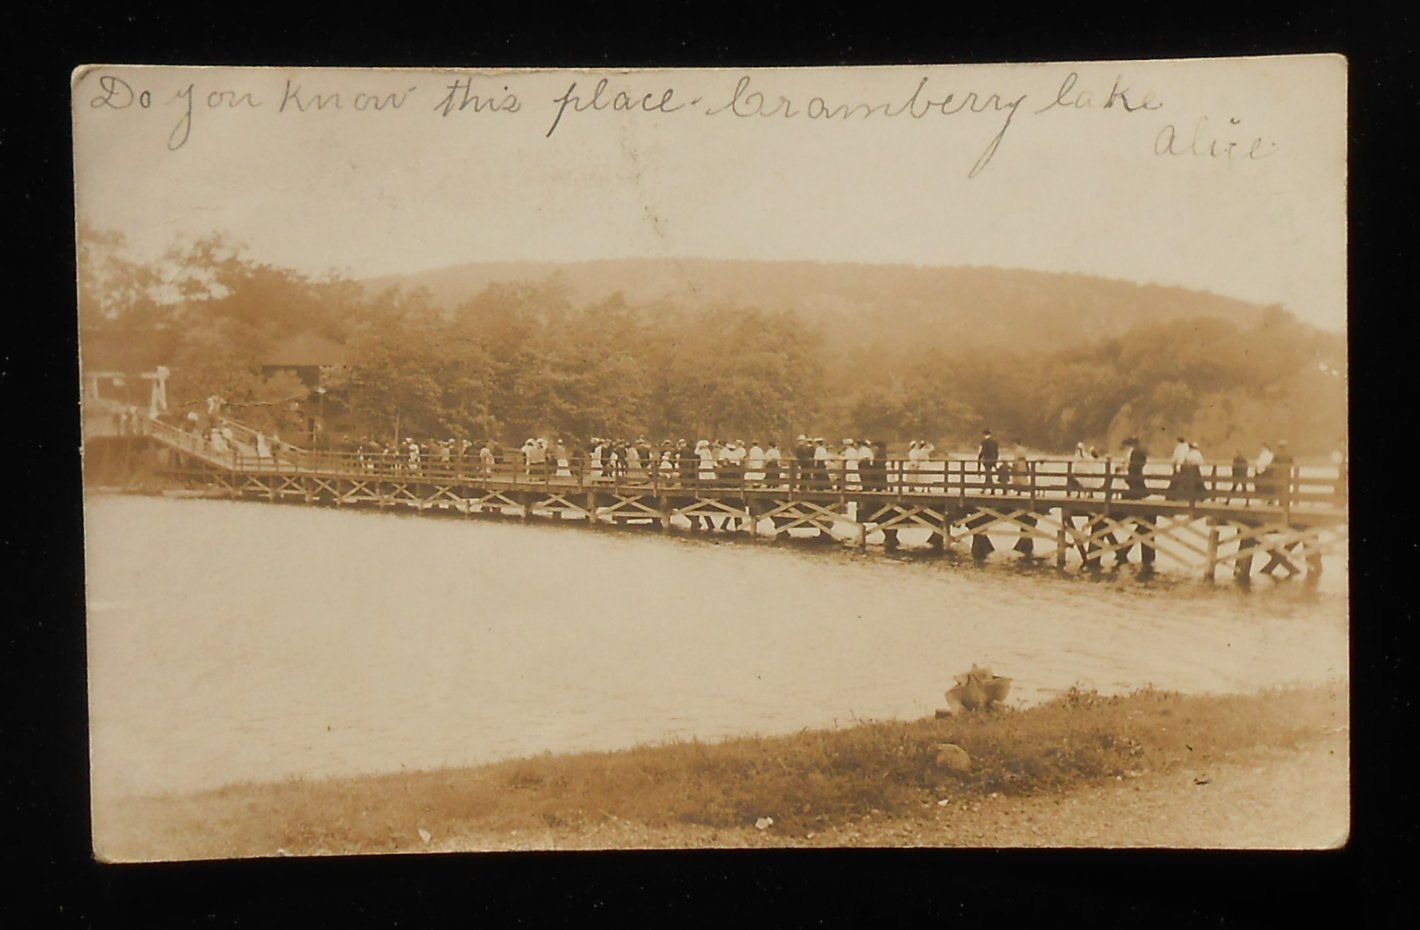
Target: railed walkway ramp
[1072, 512]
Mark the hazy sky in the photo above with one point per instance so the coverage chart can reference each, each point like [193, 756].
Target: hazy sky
[1067, 187]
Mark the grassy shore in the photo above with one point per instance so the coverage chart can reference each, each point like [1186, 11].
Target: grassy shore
[812, 785]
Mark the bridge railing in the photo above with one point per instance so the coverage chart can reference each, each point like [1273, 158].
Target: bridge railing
[1284, 486]
[280, 448]
[182, 440]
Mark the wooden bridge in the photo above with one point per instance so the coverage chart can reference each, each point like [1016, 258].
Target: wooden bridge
[1062, 510]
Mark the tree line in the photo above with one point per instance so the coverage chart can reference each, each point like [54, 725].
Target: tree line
[524, 359]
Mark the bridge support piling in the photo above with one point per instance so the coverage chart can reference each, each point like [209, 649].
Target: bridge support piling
[664, 505]
[1060, 543]
[1242, 564]
[1090, 552]
[1025, 543]
[1311, 554]
[1146, 544]
[1211, 568]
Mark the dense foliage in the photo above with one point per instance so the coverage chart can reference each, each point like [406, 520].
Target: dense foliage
[520, 359]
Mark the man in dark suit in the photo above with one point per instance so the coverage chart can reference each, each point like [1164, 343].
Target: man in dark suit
[988, 457]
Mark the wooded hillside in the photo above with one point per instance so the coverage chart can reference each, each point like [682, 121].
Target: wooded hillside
[739, 350]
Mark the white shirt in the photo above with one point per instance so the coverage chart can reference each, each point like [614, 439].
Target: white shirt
[1195, 457]
[1265, 459]
[1180, 453]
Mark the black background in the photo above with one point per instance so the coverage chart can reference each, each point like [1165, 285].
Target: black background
[44, 745]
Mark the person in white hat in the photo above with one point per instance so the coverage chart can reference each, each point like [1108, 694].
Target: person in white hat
[848, 459]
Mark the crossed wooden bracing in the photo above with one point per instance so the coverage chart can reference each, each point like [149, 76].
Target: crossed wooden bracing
[1091, 534]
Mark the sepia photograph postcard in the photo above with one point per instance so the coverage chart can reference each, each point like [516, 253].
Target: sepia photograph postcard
[870, 456]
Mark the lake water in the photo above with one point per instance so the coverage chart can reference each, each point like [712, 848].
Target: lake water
[234, 641]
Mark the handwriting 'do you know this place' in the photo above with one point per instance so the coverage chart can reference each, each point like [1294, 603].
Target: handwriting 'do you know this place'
[1061, 104]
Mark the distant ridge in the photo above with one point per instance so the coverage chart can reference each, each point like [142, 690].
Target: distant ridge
[964, 306]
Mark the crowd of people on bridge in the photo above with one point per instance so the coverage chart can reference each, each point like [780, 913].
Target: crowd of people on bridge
[812, 462]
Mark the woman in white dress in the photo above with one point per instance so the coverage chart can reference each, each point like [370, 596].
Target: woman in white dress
[598, 452]
[560, 453]
[924, 463]
[707, 460]
[914, 460]
[1090, 469]
[754, 467]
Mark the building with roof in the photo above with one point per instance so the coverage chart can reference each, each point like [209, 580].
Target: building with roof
[307, 355]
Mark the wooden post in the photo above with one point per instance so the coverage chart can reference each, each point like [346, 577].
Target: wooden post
[665, 507]
[1287, 497]
[1242, 565]
[1108, 485]
[1065, 517]
[1025, 542]
[1311, 553]
[1212, 550]
[1146, 544]
[981, 545]
[1092, 525]
[592, 509]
